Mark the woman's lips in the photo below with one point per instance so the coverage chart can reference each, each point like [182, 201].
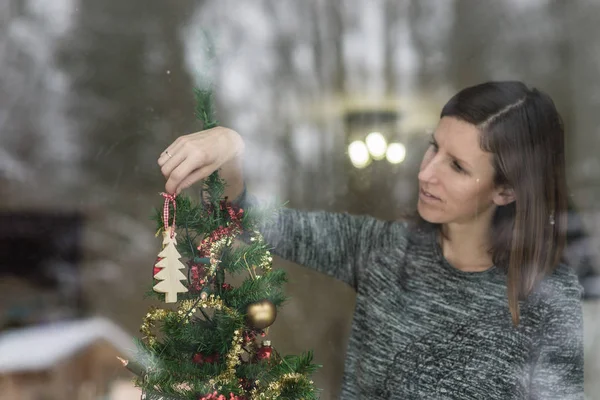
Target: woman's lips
[425, 195]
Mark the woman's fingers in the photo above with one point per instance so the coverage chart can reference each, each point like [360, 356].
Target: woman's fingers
[172, 163]
[171, 151]
[194, 177]
[193, 157]
[180, 168]
[176, 162]
[179, 173]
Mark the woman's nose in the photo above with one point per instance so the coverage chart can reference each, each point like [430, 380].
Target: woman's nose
[428, 172]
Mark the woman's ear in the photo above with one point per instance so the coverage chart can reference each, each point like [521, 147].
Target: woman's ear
[504, 195]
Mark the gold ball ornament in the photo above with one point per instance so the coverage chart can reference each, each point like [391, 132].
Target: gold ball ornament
[261, 314]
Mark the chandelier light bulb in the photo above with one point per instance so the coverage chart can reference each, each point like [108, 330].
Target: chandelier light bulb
[377, 145]
[359, 154]
[396, 152]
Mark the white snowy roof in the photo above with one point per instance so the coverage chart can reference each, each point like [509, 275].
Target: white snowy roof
[40, 347]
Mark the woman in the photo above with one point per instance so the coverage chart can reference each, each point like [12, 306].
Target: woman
[471, 302]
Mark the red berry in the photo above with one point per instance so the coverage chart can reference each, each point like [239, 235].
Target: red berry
[198, 358]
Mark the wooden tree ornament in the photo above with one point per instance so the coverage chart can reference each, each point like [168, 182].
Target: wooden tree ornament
[170, 274]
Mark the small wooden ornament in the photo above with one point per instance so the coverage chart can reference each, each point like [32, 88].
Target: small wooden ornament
[170, 276]
[261, 314]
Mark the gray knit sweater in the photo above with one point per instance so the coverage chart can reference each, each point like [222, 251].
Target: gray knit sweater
[423, 329]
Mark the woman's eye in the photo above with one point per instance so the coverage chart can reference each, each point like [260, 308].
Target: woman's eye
[457, 167]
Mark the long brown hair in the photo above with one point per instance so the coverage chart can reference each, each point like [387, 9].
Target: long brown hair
[523, 130]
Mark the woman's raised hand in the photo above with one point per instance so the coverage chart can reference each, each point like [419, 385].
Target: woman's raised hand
[191, 158]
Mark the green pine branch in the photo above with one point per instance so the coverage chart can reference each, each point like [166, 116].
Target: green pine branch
[205, 111]
[267, 287]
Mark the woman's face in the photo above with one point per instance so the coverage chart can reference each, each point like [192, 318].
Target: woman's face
[456, 178]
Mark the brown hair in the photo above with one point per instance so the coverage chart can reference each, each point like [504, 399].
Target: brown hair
[523, 130]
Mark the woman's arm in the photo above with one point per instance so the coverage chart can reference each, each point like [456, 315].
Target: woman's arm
[337, 244]
[558, 372]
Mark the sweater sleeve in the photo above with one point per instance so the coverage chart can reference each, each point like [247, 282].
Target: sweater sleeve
[337, 244]
[558, 373]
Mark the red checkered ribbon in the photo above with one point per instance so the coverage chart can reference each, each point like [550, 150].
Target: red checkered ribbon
[169, 198]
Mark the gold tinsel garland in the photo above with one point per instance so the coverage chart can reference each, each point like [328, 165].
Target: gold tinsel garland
[233, 360]
[153, 315]
[216, 249]
[185, 310]
[266, 260]
[274, 389]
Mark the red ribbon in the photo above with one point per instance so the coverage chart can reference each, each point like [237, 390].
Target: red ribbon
[169, 198]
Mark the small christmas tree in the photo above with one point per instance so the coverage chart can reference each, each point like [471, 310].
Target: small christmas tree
[211, 346]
